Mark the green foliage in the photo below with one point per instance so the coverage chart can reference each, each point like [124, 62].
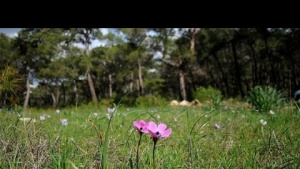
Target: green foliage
[128, 100]
[217, 101]
[241, 142]
[207, 94]
[108, 102]
[10, 85]
[265, 98]
[10, 80]
[150, 101]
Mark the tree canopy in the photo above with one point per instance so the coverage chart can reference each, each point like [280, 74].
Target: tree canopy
[162, 62]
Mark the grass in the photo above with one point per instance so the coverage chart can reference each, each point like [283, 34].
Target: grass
[241, 142]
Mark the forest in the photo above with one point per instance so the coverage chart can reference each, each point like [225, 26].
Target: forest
[56, 67]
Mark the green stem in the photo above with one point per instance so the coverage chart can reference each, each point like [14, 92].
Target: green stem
[104, 153]
[153, 153]
[137, 151]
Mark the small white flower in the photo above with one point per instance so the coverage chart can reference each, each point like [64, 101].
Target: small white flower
[109, 116]
[206, 116]
[43, 117]
[272, 112]
[175, 119]
[158, 116]
[111, 110]
[64, 122]
[217, 126]
[263, 122]
[95, 114]
[57, 111]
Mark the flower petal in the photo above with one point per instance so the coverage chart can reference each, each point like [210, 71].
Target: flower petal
[142, 123]
[153, 134]
[167, 133]
[136, 124]
[152, 127]
[162, 127]
[145, 130]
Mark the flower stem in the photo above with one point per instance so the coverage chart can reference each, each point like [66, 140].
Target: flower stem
[153, 153]
[137, 151]
[104, 153]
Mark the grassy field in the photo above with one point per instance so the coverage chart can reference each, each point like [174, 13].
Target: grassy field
[229, 137]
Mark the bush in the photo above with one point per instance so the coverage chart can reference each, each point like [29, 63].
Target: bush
[207, 94]
[265, 98]
[150, 100]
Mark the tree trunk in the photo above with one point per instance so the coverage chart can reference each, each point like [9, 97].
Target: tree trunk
[237, 70]
[53, 99]
[193, 31]
[131, 82]
[76, 93]
[254, 64]
[5, 98]
[141, 83]
[182, 85]
[273, 78]
[64, 93]
[92, 88]
[138, 87]
[224, 77]
[57, 97]
[26, 101]
[87, 42]
[109, 86]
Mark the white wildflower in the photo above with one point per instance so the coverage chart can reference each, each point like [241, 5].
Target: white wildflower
[263, 122]
[217, 126]
[111, 110]
[42, 117]
[64, 122]
[109, 116]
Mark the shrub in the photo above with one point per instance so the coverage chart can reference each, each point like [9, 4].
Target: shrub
[207, 94]
[265, 98]
[107, 102]
[150, 100]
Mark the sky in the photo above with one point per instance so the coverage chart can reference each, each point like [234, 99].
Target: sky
[11, 32]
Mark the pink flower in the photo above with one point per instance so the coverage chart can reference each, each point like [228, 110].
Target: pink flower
[159, 131]
[141, 126]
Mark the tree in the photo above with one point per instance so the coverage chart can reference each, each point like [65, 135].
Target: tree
[85, 37]
[135, 38]
[181, 56]
[35, 48]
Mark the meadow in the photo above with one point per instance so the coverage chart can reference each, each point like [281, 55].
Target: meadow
[230, 136]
